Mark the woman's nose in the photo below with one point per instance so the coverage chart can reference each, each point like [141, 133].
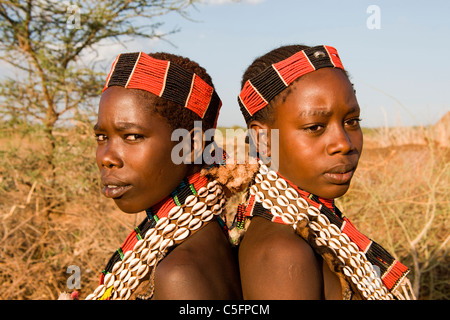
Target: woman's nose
[340, 142]
[110, 156]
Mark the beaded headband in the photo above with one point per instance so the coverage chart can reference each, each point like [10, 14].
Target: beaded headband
[167, 80]
[261, 89]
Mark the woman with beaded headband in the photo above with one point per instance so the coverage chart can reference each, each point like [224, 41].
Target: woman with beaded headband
[297, 244]
[180, 250]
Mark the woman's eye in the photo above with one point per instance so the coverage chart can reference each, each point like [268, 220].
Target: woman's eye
[314, 128]
[100, 137]
[353, 122]
[132, 137]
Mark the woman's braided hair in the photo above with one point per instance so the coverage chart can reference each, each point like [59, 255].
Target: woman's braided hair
[265, 115]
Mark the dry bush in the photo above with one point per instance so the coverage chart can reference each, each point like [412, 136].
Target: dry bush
[82, 229]
[399, 197]
[437, 135]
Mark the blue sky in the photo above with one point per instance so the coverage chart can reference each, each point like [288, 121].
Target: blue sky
[401, 71]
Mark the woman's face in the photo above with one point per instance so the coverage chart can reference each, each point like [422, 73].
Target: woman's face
[134, 152]
[320, 140]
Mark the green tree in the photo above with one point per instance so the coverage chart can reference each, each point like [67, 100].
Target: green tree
[44, 42]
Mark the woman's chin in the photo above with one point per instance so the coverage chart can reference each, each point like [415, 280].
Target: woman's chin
[128, 207]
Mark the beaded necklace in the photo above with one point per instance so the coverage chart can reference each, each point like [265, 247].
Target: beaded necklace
[194, 203]
[349, 253]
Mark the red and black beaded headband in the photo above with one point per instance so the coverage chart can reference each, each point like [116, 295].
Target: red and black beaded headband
[167, 80]
[261, 89]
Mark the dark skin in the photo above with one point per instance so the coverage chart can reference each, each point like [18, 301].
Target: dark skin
[134, 158]
[320, 142]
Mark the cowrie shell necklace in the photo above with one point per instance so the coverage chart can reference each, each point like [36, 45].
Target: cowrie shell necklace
[172, 228]
[288, 207]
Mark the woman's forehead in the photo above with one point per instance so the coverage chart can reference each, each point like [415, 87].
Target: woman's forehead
[124, 108]
[319, 94]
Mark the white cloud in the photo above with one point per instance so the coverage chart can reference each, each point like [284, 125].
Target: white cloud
[221, 2]
[254, 1]
[107, 50]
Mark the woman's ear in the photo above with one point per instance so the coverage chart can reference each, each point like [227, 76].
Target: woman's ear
[259, 136]
[197, 145]
[265, 141]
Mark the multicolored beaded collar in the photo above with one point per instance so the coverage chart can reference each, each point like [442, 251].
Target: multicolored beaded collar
[258, 91]
[194, 203]
[167, 80]
[349, 253]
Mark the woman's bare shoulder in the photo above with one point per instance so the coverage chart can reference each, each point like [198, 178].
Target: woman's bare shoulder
[201, 268]
[276, 263]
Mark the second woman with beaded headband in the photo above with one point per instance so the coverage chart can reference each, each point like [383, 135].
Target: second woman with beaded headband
[297, 244]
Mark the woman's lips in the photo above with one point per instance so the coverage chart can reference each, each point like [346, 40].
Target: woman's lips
[339, 178]
[340, 174]
[115, 191]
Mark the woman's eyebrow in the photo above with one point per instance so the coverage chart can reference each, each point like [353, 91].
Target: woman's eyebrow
[123, 126]
[354, 109]
[316, 112]
[325, 112]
